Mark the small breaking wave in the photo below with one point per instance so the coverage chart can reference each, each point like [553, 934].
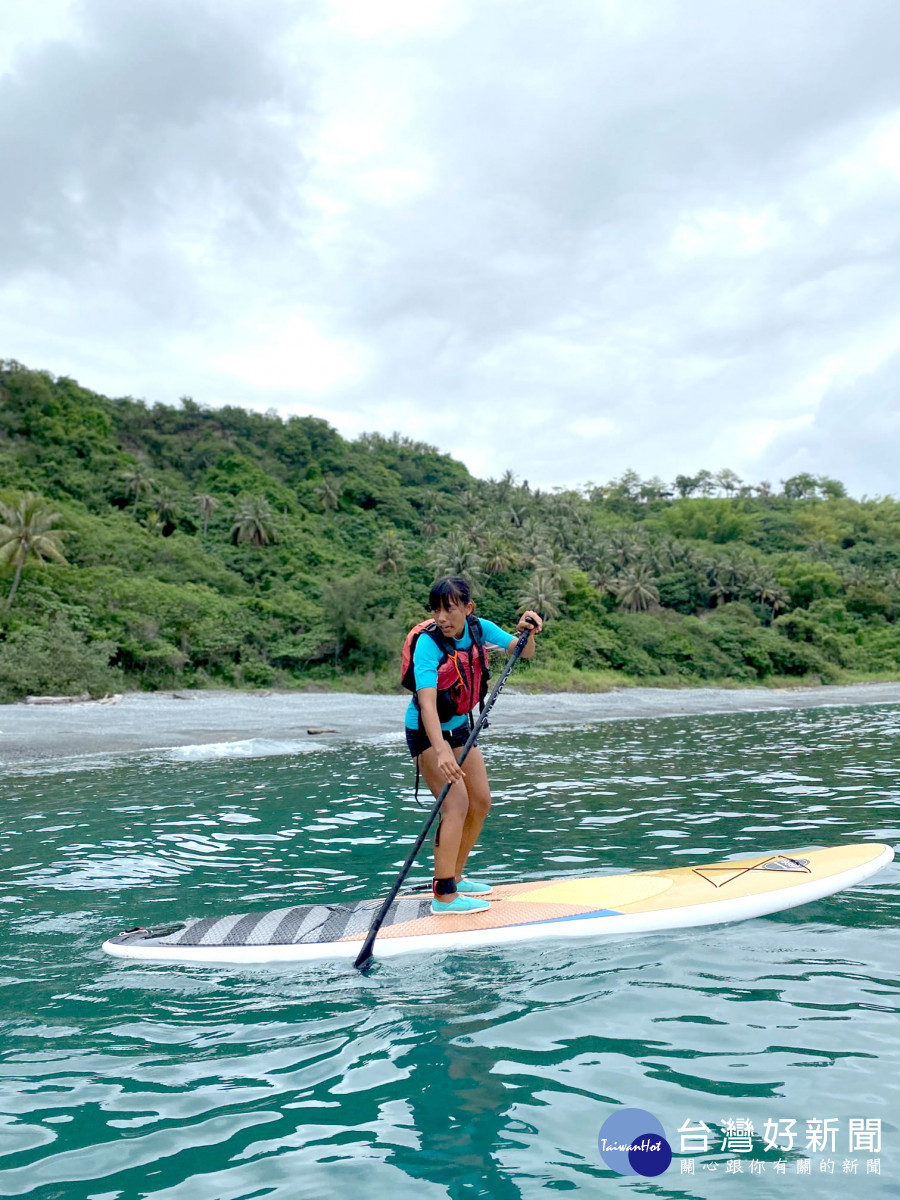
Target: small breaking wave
[246, 748]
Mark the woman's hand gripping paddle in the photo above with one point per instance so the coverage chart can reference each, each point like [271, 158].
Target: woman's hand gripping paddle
[363, 958]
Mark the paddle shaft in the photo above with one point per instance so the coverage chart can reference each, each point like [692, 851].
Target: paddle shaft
[366, 952]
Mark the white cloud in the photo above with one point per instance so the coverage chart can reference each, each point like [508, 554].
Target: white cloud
[24, 27]
[723, 235]
[563, 240]
[399, 19]
[288, 352]
[592, 427]
[852, 435]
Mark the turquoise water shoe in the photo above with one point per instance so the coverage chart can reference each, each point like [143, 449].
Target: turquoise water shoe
[471, 887]
[459, 904]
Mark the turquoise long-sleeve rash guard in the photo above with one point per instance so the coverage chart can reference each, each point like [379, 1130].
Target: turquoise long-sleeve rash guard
[427, 658]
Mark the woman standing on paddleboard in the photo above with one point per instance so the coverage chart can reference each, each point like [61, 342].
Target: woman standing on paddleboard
[445, 666]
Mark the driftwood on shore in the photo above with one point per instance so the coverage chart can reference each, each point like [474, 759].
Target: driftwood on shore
[83, 698]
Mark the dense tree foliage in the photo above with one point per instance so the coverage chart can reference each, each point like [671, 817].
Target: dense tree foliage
[234, 548]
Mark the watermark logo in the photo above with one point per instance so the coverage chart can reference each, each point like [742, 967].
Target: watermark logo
[633, 1142]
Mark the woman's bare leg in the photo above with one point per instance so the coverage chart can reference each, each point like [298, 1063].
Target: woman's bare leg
[453, 816]
[479, 796]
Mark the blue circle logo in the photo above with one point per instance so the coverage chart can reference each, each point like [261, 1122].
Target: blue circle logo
[633, 1142]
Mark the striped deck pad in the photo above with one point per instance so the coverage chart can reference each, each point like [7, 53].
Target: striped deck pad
[303, 925]
[519, 904]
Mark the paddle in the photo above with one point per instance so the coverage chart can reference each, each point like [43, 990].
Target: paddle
[365, 954]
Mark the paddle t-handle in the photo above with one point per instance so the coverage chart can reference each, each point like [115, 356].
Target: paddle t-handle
[362, 959]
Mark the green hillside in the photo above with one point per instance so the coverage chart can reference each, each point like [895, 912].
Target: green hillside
[222, 547]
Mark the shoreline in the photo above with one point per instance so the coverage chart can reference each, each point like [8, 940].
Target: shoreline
[286, 722]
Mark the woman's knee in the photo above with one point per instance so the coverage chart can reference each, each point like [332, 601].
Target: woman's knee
[480, 803]
[456, 802]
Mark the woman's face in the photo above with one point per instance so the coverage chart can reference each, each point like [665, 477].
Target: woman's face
[452, 620]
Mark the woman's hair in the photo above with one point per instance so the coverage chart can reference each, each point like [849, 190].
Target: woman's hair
[451, 589]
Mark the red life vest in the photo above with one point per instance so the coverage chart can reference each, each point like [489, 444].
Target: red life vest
[462, 678]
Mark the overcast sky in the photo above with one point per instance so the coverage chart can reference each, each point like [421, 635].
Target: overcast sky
[564, 237]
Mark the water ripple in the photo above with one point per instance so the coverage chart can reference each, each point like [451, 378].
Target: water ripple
[484, 1074]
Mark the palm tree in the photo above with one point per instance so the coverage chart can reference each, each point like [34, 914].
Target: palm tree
[536, 548]
[25, 536]
[855, 575]
[541, 595]
[166, 506]
[636, 590]
[533, 528]
[391, 553]
[329, 492]
[470, 498]
[253, 522]
[556, 564]
[455, 555]
[767, 590]
[604, 579]
[818, 549]
[475, 529]
[505, 485]
[499, 556]
[137, 480]
[433, 517]
[207, 505]
[590, 549]
[729, 576]
[623, 548]
[583, 549]
[664, 552]
[517, 511]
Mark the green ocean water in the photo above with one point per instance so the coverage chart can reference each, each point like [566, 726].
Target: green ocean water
[485, 1074]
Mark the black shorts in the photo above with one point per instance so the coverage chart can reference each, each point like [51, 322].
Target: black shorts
[417, 739]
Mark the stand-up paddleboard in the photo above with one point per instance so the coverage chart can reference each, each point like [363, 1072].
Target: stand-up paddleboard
[638, 902]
